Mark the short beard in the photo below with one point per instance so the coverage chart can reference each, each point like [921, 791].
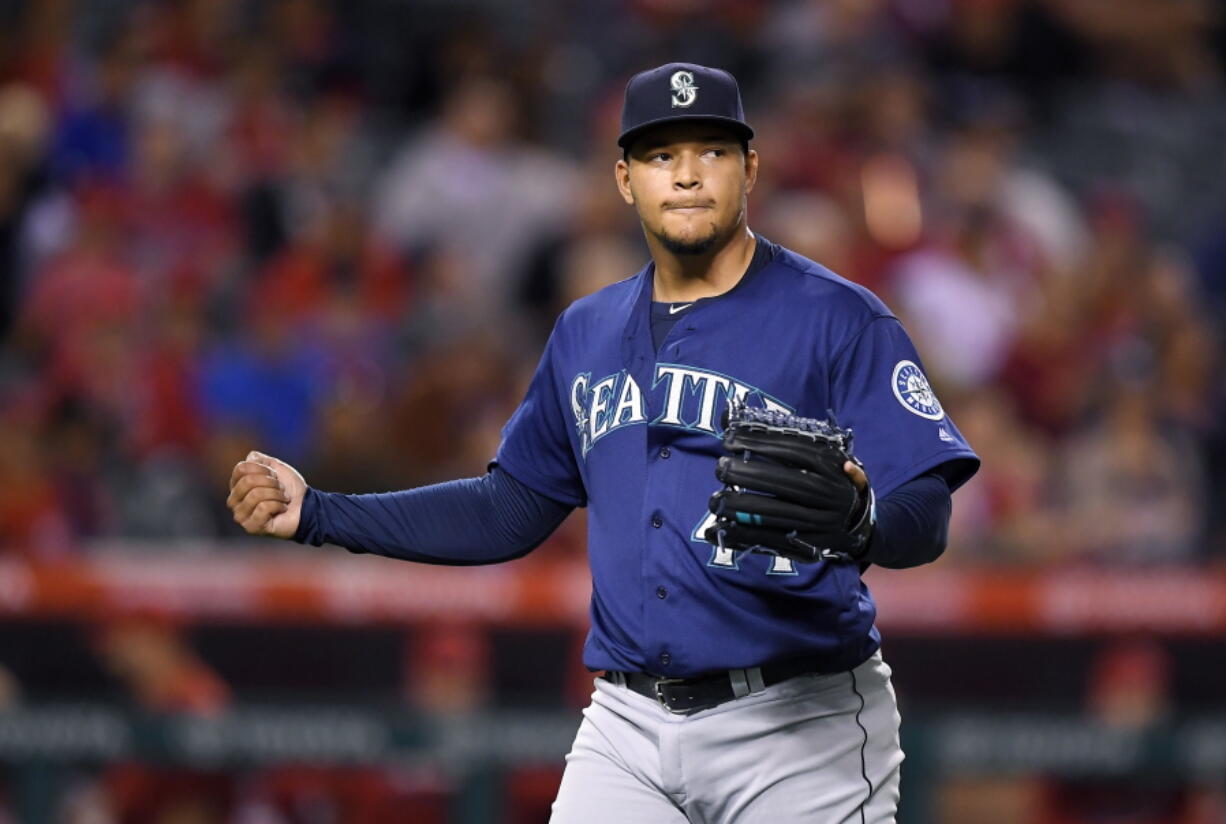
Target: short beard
[688, 247]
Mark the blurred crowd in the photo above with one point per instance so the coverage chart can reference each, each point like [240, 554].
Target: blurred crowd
[339, 233]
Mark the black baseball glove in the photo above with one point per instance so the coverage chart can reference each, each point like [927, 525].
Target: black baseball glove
[785, 491]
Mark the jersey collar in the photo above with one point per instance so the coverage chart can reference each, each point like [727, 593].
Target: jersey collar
[638, 355]
[637, 352]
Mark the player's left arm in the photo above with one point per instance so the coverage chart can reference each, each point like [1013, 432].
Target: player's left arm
[912, 523]
[911, 453]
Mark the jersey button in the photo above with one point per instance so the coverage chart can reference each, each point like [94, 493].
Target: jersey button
[665, 658]
[657, 521]
[665, 452]
[661, 593]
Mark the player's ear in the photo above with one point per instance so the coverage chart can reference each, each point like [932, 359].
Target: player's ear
[622, 173]
[751, 170]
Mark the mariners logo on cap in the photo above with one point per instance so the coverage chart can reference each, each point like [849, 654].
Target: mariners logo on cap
[912, 390]
[684, 90]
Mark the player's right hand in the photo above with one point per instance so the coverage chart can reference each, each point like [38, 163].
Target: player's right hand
[266, 496]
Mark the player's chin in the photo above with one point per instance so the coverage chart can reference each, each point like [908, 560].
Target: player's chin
[690, 240]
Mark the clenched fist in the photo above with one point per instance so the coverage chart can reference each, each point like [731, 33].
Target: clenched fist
[266, 496]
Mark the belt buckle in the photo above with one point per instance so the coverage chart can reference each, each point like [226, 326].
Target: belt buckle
[663, 682]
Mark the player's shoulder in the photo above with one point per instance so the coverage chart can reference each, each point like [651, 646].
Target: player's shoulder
[813, 281]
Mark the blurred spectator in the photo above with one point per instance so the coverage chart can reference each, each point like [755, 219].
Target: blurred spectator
[1006, 513]
[180, 229]
[1134, 485]
[1025, 50]
[1050, 368]
[815, 226]
[80, 464]
[448, 668]
[32, 516]
[446, 407]
[815, 38]
[78, 322]
[959, 305]
[1130, 684]
[270, 378]
[163, 675]
[468, 186]
[592, 263]
[24, 125]
[94, 134]
[334, 269]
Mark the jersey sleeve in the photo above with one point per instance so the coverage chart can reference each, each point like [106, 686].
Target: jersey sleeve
[469, 521]
[536, 448]
[880, 391]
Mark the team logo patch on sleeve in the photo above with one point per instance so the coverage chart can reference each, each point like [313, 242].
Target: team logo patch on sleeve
[913, 391]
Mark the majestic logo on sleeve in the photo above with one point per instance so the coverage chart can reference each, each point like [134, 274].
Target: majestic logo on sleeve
[689, 398]
[912, 390]
[684, 90]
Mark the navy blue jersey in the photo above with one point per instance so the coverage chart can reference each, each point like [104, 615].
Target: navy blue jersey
[634, 435]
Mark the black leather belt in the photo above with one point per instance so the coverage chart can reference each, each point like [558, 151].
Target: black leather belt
[687, 695]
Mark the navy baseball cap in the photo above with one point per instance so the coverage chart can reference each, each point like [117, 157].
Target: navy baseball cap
[681, 91]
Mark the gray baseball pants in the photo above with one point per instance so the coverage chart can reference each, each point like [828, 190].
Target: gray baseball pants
[815, 748]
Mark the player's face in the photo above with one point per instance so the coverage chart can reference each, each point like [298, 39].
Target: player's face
[688, 182]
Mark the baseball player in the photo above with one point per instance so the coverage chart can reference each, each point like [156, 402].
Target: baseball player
[702, 411]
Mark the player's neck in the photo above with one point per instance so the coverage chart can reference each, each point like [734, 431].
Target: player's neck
[681, 278]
